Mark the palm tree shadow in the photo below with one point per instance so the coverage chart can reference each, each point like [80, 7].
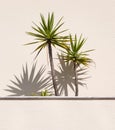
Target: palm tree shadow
[29, 84]
[65, 78]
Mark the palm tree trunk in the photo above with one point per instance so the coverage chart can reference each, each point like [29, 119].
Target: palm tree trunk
[52, 69]
[76, 79]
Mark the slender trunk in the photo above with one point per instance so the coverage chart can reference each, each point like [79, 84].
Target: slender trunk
[52, 69]
[76, 79]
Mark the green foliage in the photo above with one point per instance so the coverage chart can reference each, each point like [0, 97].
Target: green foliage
[45, 93]
[74, 54]
[47, 32]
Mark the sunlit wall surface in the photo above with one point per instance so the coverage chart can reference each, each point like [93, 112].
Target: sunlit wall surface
[95, 19]
[57, 115]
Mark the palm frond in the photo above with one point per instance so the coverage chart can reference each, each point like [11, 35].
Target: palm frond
[43, 23]
[31, 43]
[75, 54]
[47, 31]
[40, 47]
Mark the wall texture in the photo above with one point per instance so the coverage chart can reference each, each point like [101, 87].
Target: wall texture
[95, 19]
[57, 115]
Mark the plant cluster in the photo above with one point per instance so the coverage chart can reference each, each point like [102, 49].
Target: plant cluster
[49, 34]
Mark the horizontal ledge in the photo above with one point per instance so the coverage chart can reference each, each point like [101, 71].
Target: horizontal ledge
[55, 98]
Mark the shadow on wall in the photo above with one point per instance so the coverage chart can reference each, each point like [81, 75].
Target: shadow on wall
[29, 84]
[65, 77]
[33, 84]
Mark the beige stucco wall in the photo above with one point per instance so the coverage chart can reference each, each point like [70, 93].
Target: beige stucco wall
[95, 19]
[57, 115]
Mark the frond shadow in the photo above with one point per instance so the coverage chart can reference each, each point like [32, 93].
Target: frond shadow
[65, 77]
[29, 84]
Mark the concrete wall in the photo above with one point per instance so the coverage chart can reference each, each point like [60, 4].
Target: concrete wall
[57, 115]
[95, 19]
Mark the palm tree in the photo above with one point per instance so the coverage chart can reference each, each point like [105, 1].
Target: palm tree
[47, 35]
[76, 56]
